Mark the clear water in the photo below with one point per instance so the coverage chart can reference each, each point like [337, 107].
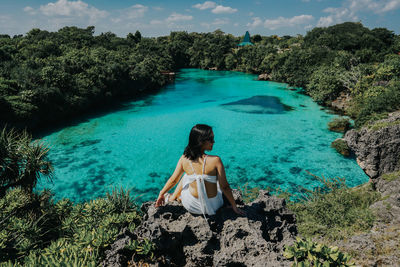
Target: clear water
[266, 135]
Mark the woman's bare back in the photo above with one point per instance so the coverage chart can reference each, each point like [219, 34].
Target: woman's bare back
[210, 169]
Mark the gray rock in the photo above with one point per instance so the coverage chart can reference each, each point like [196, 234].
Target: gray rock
[377, 151]
[225, 239]
[264, 77]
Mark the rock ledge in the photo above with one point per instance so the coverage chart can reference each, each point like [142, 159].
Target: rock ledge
[225, 239]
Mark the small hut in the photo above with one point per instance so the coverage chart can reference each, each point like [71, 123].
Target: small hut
[246, 40]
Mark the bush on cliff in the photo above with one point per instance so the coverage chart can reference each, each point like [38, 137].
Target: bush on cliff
[341, 147]
[339, 125]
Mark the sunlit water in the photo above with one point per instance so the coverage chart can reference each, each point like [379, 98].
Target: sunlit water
[266, 135]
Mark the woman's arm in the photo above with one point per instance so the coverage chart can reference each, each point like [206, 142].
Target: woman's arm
[172, 181]
[224, 185]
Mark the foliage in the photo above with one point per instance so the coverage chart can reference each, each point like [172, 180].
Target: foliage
[22, 162]
[341, 147]
[324, 84]
[249, 194]
[334, 210]
[39, 232]
[391, 176]
[379, 125]
[46, 76]
[309, 253]
[339, 124]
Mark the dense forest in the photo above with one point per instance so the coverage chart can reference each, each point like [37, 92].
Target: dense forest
[47, 77]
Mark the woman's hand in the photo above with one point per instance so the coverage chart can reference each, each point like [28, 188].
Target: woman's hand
[239, 211]
[160, 201]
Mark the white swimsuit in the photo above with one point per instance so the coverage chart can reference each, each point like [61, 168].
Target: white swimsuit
[202, 204]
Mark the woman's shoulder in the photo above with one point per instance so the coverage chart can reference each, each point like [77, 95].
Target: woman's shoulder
[213, 158]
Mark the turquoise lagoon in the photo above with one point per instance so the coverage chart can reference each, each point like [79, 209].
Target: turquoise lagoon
[266, 134]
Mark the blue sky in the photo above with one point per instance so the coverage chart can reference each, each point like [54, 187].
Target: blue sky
[156, 18]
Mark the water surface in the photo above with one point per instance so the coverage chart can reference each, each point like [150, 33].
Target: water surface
[266, 135]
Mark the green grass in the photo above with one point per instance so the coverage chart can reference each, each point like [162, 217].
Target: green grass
[391, 176]
[380, 125]
[334, 210]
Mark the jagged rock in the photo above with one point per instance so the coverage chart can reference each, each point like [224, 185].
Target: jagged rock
[224, 239]
[342, 101]
[264, 77]
[388, 208]
[377, 148]
[117, 254]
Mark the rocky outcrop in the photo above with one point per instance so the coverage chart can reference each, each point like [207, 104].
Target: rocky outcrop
[225, 239]
[264, 77]
[342, 102]
[377, 146]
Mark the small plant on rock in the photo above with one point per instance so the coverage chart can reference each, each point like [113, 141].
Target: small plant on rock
[309, 253]
[340, 125]
[341, 147]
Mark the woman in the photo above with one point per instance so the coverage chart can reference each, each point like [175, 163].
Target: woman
[200, 188]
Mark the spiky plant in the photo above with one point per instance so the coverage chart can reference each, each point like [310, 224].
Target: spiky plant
[22, 162]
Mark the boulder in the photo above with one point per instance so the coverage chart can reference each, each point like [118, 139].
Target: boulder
[377, 146]
[342, 101]
[225, 239]
[264, 77]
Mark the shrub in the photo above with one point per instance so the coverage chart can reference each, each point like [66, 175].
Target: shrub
[36, 231]
[22, 162]
[341, 147]
[308, 253]
[391, 176]
[249, 194]
[334, 210]
[339, 125]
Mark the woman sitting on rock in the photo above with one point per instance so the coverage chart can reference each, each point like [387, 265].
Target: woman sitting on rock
[200, 188]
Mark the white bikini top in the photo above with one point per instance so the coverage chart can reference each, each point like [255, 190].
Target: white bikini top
[201, 188]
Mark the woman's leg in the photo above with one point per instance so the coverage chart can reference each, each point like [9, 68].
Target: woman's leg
[177, 193]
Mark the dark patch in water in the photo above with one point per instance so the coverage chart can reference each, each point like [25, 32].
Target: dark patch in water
[295, 170]
[87, 143]
[87, 163]
[208, 101]
[303, 106]
[118, 169]
[269, 173]
[295, 149]
[154, 174]
[260, 104]
[107, 152]
[285, 159]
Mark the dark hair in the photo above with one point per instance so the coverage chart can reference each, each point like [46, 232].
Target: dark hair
[198, 135]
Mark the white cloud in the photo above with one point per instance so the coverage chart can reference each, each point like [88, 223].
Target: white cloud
[205, 5]
[337, 15]
[158, 8]
[30, 10]
[216, 22]
[350, 8]
[256, 22]
[178, 17]
[223, 10]
[67, 8]
[281, 22]
[135, 11]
